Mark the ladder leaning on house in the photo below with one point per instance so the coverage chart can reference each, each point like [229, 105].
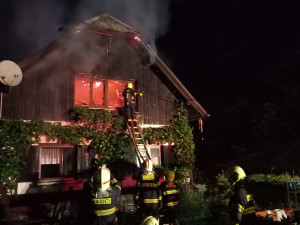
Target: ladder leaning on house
[137, 136]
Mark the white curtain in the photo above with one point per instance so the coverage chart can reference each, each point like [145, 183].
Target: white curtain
[50, 155]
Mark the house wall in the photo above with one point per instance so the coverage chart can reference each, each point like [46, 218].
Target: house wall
[47, 89]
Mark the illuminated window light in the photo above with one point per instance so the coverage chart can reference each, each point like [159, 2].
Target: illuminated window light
[97, 84]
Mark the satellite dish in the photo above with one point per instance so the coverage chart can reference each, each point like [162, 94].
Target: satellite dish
[10, 73]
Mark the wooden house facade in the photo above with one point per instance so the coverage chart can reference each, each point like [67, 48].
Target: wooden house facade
[90, 66]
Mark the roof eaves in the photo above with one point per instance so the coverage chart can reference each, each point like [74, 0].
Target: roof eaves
[175, 81]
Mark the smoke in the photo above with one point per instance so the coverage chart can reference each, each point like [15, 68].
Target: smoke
[36, 22]
[150, 18]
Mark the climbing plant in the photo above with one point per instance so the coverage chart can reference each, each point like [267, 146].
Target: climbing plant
[104, 133]
[180, 134]
[15, 135]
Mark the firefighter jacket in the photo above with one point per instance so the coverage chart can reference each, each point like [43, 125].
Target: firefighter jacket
[170, 194]
[129, 97]
[148, 191]
[104, 203]
[242, 207]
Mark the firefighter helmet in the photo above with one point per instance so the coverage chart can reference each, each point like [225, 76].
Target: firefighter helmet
[101, 178]
[148, 165]
[234, 174]
[170, 175]
[130, 85]
[150, 220]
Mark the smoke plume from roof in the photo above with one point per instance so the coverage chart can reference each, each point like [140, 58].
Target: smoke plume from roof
[35, 23]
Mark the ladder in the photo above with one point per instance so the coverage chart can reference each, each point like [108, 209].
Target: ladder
[136, 134]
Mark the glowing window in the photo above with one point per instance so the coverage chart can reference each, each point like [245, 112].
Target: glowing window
[82, 91]
[115, 89]
[96, 92]
[98, 87]
[88, 91]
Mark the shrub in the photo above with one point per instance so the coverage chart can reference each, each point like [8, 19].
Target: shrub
[218, 200]
[193, 208]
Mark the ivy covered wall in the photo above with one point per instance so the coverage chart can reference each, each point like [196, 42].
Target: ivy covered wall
[106, 135]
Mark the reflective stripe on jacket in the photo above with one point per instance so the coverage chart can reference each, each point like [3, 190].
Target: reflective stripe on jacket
[242, 207]
[170, 194]
[148, 190]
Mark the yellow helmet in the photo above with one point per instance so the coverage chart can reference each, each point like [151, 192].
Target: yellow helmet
[101, 178]
[170, 175]
[129, 85]
[150, 220]
[148, 165]
[234, 174]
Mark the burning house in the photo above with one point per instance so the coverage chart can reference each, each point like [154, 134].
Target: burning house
[90, 67]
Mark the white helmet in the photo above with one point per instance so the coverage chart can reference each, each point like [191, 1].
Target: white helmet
[150, 220]
[101, 178]
[148, 165]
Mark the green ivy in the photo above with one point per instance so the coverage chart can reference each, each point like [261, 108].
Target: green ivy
[179, 133]
[106, 134]
[14, 137]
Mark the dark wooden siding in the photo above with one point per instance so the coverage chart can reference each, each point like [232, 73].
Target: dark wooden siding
[47, 89]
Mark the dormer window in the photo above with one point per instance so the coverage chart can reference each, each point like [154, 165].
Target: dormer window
[98, 92]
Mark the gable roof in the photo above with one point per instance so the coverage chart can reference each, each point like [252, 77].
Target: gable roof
[105, 24]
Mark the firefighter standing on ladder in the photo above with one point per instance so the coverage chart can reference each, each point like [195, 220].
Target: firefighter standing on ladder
[241, 204]
[129, 105]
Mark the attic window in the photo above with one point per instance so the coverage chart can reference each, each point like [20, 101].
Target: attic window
[97, 92]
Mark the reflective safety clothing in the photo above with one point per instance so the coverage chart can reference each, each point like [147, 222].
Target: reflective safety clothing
[148, 196]
[129, 96]
[170, 199]
[103, 203]
[242, 207]
[170, 194]
[129, 104]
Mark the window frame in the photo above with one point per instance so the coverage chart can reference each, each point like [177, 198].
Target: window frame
[105, 80]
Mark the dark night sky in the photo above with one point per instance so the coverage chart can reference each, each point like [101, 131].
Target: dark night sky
[210, 45]
[227, 53]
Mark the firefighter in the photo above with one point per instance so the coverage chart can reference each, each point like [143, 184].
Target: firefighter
[170, 199]
[241, 204]
[103, 194]
[148, 196]
[129, 105]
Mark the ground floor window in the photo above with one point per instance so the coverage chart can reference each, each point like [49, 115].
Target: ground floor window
[57, 161]
[154, 152]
